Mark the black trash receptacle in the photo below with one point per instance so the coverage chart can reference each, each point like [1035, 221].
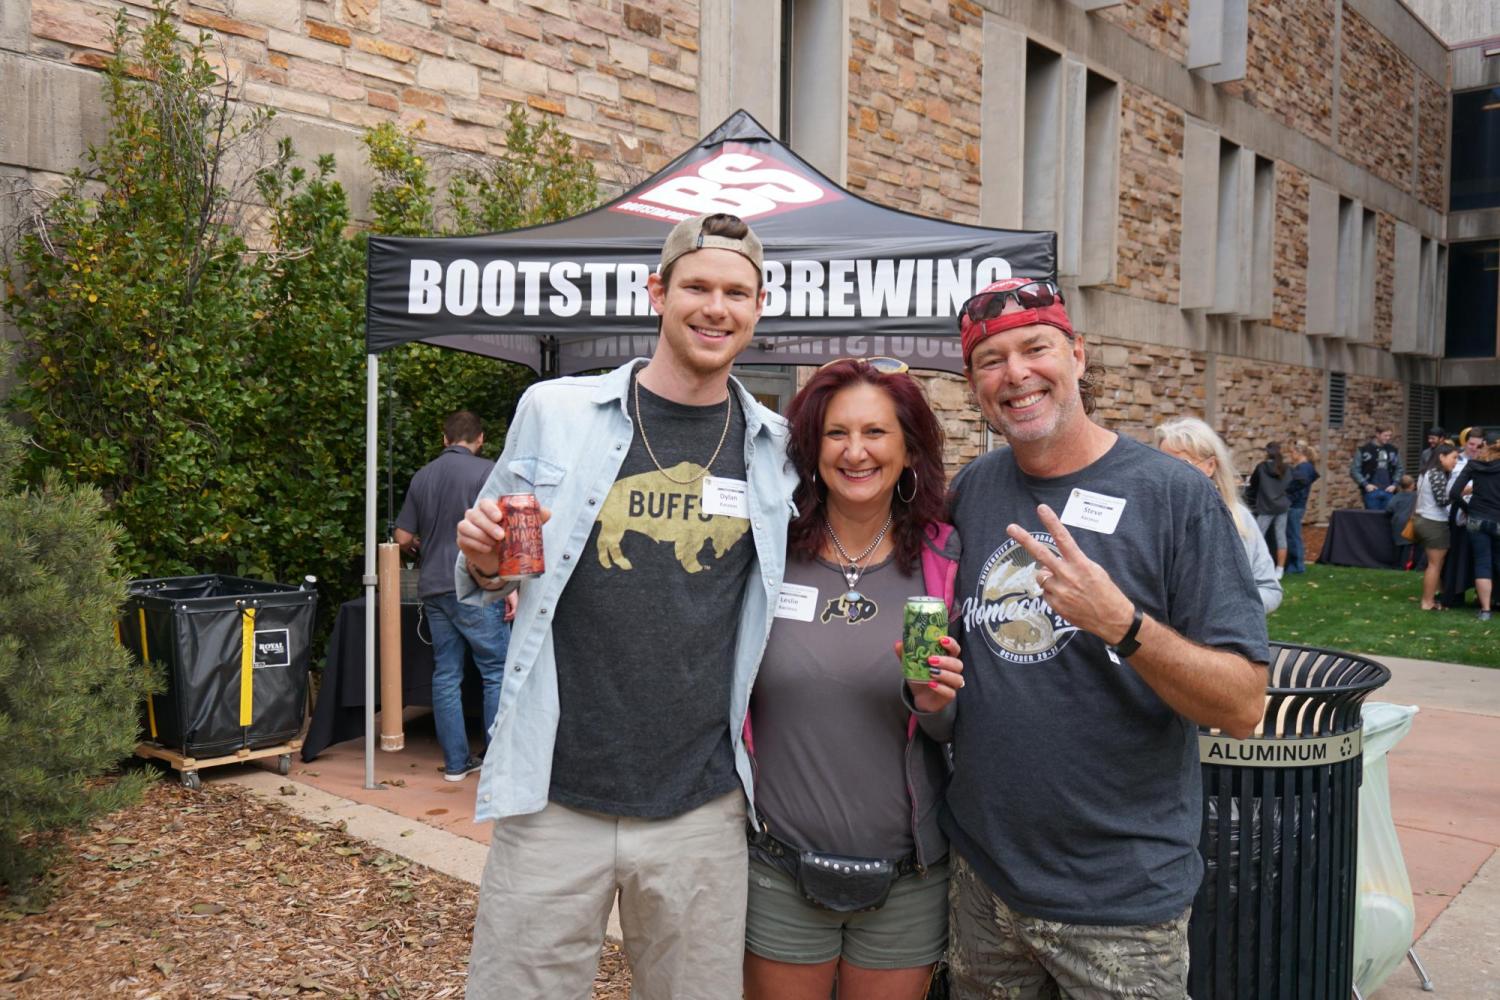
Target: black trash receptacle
[235, 653]
[1274, 917]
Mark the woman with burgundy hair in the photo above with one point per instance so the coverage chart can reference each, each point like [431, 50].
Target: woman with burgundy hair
[848, 872]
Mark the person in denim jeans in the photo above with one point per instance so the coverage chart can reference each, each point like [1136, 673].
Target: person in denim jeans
[1482, 505]
[435, 502]
[1304, 474]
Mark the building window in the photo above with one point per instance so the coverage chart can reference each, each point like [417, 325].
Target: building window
[1421, 413]
[1476, 150]
[1473, 297]
[1228, 216]
[1350, 259]
[1417, 300]
[1100, 156]
[814, 96]
[1042, 139]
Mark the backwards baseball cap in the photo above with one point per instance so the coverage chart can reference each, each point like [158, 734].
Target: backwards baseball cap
[1010, 303]
[688, 236]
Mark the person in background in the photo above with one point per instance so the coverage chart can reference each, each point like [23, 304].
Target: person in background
[1430, 517]
[1435, 437]
[1304, 462]
[1403, 503]
[1482, 505]
[1197, 444]
[1267, 497]
[1376, 469]
[849, 758]
[440, 493]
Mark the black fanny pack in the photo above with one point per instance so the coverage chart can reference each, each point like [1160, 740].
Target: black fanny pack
[835, 882]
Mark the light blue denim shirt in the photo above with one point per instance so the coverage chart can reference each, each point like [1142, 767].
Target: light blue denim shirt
[566, 444]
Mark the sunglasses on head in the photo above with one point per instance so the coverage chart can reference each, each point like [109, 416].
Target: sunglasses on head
[885, 366]
[988, 305]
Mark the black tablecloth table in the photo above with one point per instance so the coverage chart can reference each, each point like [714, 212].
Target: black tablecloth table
[1458, 568]
[340, 711]
[1359, 538]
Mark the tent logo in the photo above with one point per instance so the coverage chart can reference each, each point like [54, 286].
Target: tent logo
[272, 648]
[738, 180]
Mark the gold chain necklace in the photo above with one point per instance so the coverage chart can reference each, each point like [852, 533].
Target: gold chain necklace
[852, 569]
[723, 436]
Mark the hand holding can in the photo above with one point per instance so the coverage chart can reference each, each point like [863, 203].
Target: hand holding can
[521, 556]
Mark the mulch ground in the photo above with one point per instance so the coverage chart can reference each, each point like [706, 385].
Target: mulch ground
[219, 893]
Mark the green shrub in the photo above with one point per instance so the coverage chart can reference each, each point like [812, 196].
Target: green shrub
[70, 696]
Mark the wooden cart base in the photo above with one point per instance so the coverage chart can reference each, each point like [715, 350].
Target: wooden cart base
[188, 767]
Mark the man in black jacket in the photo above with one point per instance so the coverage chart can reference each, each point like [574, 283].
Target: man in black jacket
[1376, 469]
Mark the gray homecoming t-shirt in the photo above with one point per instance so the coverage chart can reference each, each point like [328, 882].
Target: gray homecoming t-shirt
[829, 724]
[645, 628]
[1076, 794]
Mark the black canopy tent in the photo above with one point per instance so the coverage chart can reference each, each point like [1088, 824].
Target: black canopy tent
[844, 277]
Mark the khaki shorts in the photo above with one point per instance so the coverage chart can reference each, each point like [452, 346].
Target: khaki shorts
[1431, 535]
[995, 952]
[910, 930]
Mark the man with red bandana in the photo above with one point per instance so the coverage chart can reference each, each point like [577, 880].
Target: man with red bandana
[1106, 612]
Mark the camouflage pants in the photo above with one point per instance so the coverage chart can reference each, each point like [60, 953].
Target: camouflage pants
[995, 953]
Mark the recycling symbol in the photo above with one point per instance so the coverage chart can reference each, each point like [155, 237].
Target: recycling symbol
[1346, 748]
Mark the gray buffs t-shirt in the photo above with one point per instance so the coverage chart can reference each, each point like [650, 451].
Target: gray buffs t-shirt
[1076, 794]
[645, 628]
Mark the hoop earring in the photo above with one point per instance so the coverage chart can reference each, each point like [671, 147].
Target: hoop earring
[913, 486]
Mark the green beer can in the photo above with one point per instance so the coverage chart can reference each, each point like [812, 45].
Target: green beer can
[923, 625]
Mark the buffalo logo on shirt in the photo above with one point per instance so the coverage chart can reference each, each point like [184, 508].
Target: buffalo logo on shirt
[852, 612]
[652, 505]
[1008, 608]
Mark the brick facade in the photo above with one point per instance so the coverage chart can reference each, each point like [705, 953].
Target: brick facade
[1385, 276]
[620, 78]
[914, 88]
[1289, 64]
[1376, 101]
[1432, 142]
[1161, 24]
[1150, 227]
[1289, 251]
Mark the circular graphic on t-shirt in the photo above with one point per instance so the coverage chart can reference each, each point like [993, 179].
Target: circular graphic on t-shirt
[1008, 608]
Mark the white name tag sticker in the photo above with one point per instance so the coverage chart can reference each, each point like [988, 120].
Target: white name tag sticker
[729, 497]
[797, 602]
[1093, 511]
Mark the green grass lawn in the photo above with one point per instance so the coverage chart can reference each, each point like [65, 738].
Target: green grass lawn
[1376, 611]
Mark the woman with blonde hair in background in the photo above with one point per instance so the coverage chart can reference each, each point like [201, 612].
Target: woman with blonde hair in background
[1304, 459]
[1196, 443]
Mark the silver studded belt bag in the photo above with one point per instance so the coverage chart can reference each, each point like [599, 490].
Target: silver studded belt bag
[835, 882]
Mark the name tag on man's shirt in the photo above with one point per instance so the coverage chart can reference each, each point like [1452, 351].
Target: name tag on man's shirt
[1094, 511]
[729, 497]
[797, 602]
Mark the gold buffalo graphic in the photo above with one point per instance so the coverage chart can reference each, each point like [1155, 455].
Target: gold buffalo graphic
[651, 505]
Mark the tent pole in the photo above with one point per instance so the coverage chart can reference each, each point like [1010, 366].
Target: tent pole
[372, 436]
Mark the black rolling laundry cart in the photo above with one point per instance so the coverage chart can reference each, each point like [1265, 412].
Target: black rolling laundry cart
[1274, 917]
[235, 655]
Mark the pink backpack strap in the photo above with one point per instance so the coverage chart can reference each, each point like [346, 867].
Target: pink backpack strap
[939, 573]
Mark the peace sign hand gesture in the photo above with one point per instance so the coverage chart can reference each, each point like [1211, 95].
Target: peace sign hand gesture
[1074, 585]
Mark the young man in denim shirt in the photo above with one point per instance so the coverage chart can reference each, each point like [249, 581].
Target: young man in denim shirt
[617, 765]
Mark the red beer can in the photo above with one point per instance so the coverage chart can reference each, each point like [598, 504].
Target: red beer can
[521, 554]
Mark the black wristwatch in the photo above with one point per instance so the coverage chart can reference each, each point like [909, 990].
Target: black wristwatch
[1128, 645]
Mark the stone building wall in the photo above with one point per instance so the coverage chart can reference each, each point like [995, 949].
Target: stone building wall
[620, 78]
[1289, 251]
[914, 90]
[1385, 276]
[1150, 226]
[1376, 102]
[1289, 64]
[1161, 24]
[1432, 142]
[1140, 385]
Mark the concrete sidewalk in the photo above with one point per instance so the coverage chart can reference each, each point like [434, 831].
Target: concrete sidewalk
[1445, 794]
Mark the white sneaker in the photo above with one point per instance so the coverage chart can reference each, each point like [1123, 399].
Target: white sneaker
[470, 766]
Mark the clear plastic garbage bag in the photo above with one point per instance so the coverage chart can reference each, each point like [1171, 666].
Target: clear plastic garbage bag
[1384, 912]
